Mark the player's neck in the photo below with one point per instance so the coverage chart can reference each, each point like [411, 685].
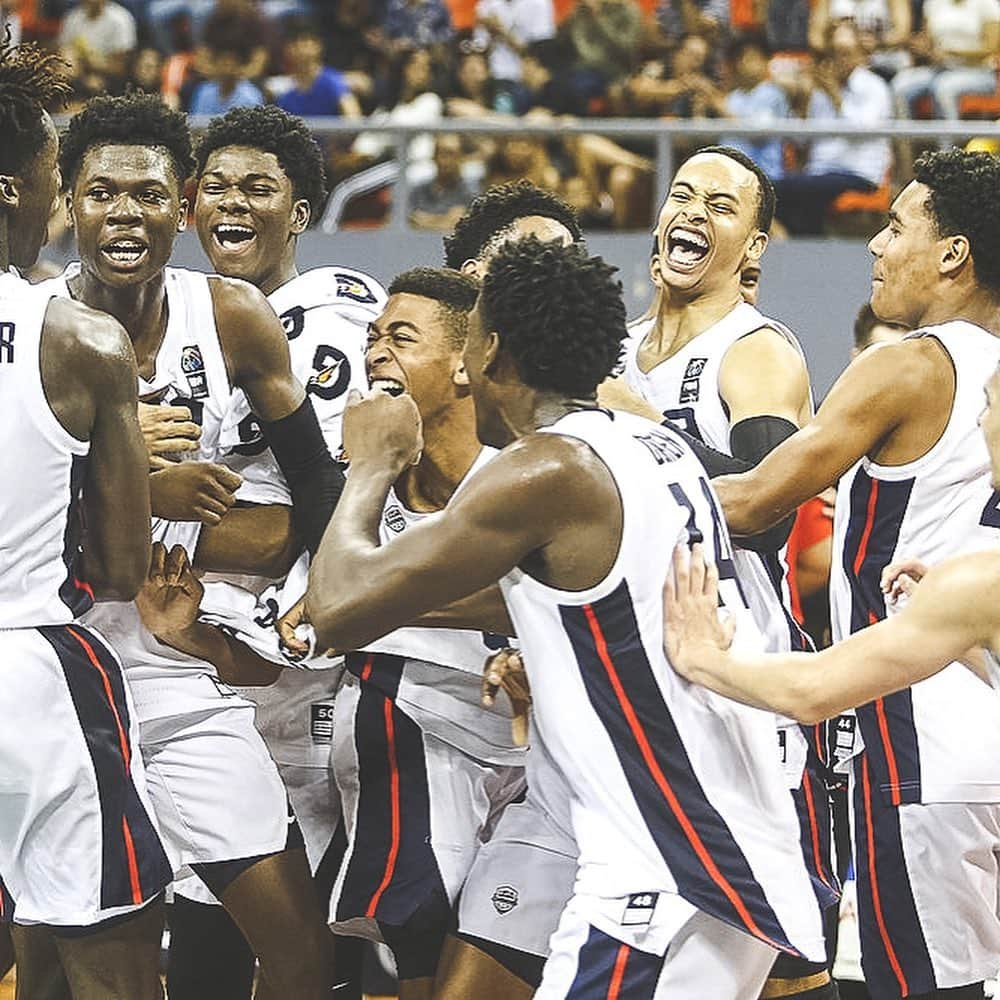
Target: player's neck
[280, 276]
[977, 305]
[681, 318]
[141, 309]
[450, 449]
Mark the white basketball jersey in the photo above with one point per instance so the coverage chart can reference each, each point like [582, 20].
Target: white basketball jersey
[675, 790]
[42, 468]
[325, 313]
[434, 675]
[938, 741]
[190, 371]
[685, 387]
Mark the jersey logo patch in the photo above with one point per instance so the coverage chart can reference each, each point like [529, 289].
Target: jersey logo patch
[321, 722]
[691, 385]
[350, 286]
[394, 519]
[695, 367]
[333, 373]
[504, 899]
[193, 366]
[639, 909]
[661, 446]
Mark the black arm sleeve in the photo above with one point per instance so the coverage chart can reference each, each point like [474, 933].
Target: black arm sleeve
[314, 478]
[751, 440]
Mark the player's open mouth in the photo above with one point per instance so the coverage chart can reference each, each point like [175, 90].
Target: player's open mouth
[389, 385]
[125, 252]
[234, 238]
[686, 248]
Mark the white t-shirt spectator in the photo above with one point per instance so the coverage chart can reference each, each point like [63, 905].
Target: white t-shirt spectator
[111, 31]
[525, 21]
[959, 25]
[868, 15]
[866, 100]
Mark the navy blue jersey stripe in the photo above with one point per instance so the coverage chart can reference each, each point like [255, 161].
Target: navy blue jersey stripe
[877, 509]
[812, 806]
[75, 593]
[392, 871]
[894, 952]
[6, 905]
[799, 642]
[134, 867]
[382, 671]
[698, 847]
[607, 969]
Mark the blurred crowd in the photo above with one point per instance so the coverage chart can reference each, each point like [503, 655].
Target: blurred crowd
[413, 61]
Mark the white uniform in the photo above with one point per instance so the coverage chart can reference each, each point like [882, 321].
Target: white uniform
[926, 794]
[679, 806]
[325, 313]
[215, 790]
[77, 840]
[685, 387]
[422, 768]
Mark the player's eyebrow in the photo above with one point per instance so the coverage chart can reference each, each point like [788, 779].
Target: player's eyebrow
[710, 195]
[244, 178]
[894, 217]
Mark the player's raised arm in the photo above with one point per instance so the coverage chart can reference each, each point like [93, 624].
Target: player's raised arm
[865, 406]
[947, 615]
[116, 491]
[256, 351]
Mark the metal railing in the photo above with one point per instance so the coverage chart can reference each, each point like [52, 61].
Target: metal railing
[664, 133]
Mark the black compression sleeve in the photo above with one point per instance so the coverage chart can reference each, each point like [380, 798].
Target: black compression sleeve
[717, 463]
[754, 438]
[314, 478]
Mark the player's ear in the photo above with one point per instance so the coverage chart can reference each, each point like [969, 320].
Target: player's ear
[756, 247]
[955, 253]
[655, 274]
[182, 215]
[470, 267]
[491, 353]
[460, 376]
[9, 195]
[301, 214]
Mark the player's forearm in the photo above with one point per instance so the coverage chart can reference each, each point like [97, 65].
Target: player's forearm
[258, 540]
[484, 611]
[235, 662]
[336, 602]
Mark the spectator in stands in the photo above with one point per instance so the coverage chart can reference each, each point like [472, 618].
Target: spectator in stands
[239, 19]
[593, 207]
[522, 158]
[473, 89]
[509, 26]
[439, 203]
[146, 70]
[545, 82]
[227, 85]
[686, 91]
[962, 38]
[852, 93]
[420, 23]
[354, 45]
[316, 90]
[709, 18]
[885, 26]
[97, 37]
[605, 36]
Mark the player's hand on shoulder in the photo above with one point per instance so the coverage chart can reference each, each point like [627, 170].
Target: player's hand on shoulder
[170, 599]
[167, 430]
[505, 671]
[900, 578]
[383, 429]
[193, 491]
[691, 622]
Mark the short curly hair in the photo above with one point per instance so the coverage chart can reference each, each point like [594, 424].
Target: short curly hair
[491, 216]
[559, 314]
[965, 200]
[136, 119]
[30, 81]
[454, 292]
[273, 130]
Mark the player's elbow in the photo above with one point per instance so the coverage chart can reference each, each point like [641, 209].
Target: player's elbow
[118, 578]
[806, 700]
[335, 625]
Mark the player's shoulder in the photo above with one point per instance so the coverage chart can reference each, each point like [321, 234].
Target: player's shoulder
[90, 342]
[334, 285]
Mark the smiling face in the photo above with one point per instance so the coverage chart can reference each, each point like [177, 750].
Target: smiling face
[907, 251]
[412, 349]
[247, 215]
[127, 209]
[37, 183]
[989, 421]
[707, 230]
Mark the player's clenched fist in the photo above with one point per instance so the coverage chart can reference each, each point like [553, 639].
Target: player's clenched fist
[382, 428]
[193, 491]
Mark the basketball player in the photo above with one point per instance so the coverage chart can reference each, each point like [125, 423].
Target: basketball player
[79, 851]
[950, 616]
[260, 178]
[675, 863]
[736, 381]
[899, 428]
[216, 791]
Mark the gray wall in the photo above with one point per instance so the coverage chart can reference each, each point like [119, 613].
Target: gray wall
[813, 286]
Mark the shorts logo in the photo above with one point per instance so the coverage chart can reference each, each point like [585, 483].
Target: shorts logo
[691, 385]
[504, 899]
[639, 909]
[783, 746]
[394, 519]
[351, 287]
[321, 722]
[193, 366]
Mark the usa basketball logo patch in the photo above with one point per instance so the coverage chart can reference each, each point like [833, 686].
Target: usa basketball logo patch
[504, 899]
